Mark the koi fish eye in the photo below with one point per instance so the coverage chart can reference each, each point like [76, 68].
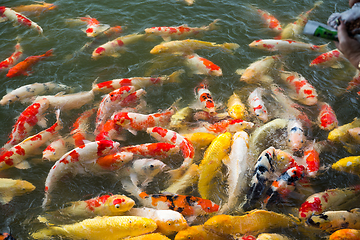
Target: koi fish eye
[117, 205]
[151, 166]
[289, 140]
[258, 114]
[302, 141]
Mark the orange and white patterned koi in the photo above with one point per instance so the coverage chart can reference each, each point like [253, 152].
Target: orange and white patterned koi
[204, 95]
[257, 105]
[296, 137]
[156, 150]
[286, 45]
[226, 125]
[327, 119]
[312, 161]
[12, 15]
[23, 67]
[328, 59]
[201, 65]
[13, 59]
[74, 162]
[270, 21]
[115, 161]
[80, 127]
[180, 32]
[15, 157]
[110, 131]
[93, 26]
[305, 92]
[32, 115]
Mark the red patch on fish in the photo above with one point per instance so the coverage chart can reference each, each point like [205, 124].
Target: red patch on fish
[314, 207]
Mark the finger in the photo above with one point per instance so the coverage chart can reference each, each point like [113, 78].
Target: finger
[342, 33]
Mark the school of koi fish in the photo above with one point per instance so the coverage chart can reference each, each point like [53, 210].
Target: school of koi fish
[254, 165]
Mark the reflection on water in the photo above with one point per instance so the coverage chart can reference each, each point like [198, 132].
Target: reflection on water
[238, 24]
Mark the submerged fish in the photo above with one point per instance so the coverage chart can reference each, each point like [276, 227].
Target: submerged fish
[10, 188]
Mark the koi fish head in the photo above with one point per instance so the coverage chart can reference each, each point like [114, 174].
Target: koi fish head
[23, 187]
[355, 133]
[148, 167]
[296, 137]
[2, 10]
[208, 206]
[159, 49]
[98, 52]
[237, 111]
[170, 221]
[151, 30]
[262, 114]
[119, 203]
[122, 119]
[283, 159]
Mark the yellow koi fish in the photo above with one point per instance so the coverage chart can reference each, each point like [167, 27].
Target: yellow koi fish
[189, 178]
[200, 139]
[348, 164]
[9, 188]
[199, 233]
[236, 109]
[341, 134]
[151, 236]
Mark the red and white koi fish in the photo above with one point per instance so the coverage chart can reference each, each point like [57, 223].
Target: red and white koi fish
[110, 131]
[327, 119]
[156, 150]
[34, 9]
[305, 92]
[354, 82]
[67, 102]
[226, 125]
[284, 184]
[322, 201]
[137, 82]
[296, 136]
[104, 205]
[115, 161]
[134, 122]
[185, 204]
[32, 115]
[180, 32]
[110, 103]
[186, 147]
[270, 21]
[257, 69]
[55, 150]
[286, 45]
[93, 26]
[15, 157]
[312, 161]
[13, 59]
[26, 92]
[80, 128]
[11, 15]
[24, 67]
[328, 59]
[257, 105]
[200, 65]
[74, 162]
[114, 47]
[134, 100]
[204, 95]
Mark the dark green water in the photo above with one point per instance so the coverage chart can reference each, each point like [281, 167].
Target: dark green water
[238, 24]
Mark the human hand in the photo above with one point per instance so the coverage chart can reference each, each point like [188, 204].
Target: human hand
[348, 45]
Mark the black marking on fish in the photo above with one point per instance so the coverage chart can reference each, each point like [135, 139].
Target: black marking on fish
[324, 216]
[312, 223]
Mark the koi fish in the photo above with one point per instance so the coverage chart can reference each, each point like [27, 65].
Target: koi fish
[284, 184]
[115, 161]
[67, 102]
[322, 201]
[355, 134]
[200, 65]
[312, 161]
[258, 68]
[134, 122]
[74, 161]
[93, 26]
[15, 156]
[264, 168]
[272, 236]
[110, 103]
[331, 221]
[150, 236]
[255, 221]
[168, 221]
[26, 92]
[23, 68]
[180, 32]
[13, 59]
[32, 115]
[113, 47]
[110, 131]
[186, 147]
[286, 45]
[305, 92]
[227, 125]
[137, 82]
[55, 150]
[204, 95]
[105, 205]
[354, 82]
[34, 9]
[328, 59]
[189, 45]
[211, 163]
[10, 188]
[237, 166]
[341, 134]
[345, 234]
[236, 109]
[199, 232]
[257, 105]
[6, 236]
[348, 164]
[270, 21]
[181, 118]
[99, 228]
[200, 139]
[296, 137]
[157, 150]
[12, 15]
[80, 127]
[327, 119]
[189, 178]
[295, 29]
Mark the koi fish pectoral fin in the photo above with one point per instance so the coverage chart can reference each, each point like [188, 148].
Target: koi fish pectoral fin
[3, 19]
[4, 199]
[23, 165]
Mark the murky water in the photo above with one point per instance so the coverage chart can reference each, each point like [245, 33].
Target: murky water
[238, 24]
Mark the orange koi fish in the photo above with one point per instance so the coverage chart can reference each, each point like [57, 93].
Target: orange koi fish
[80, 127]
[34, 9]
[328, 59]
[200, 65]
[305, 93]
[12, 15]
[23, 68]
[270, 21]
[345, 234]
[93, 27]
[204, 95]
[13, 59]
[15, 157]
[157, 150]
[312, 161]
[32, 115]
[74, 162]
[115, 161]
[134, 122]
[327, 119]
[257, 105]
[180, 32]
[286, 45]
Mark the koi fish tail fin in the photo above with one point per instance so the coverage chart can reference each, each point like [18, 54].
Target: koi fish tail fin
[317, 4]
[212, 26]
[324, 48]
[58, 120]
[49, 53]
[175, 174]
[230, 46]
[130, 187]
[46, 200]
[48, 232]
[175, 76]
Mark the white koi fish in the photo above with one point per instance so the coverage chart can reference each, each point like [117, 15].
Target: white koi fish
[286, 45]
[254, 72]
[55, 150]
[296, 136]
[200, 65]
[257, 105]
[93, 26]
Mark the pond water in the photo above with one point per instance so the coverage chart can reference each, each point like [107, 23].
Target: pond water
[238, 23]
